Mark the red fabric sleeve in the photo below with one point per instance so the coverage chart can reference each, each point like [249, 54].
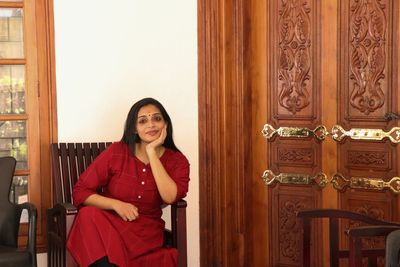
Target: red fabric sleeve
[95, 176]
[180, 174]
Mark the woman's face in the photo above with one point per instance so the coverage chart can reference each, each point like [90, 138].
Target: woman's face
[149, 123]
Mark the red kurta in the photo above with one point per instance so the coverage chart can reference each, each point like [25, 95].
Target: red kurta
[97, 233]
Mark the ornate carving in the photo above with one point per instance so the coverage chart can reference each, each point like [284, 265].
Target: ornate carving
[373, 212]
[368, 158]
[294, 54]
[368, 54]
[290, 230]
[295, 155]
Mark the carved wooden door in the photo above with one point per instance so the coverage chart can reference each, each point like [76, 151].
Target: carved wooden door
[328, 105]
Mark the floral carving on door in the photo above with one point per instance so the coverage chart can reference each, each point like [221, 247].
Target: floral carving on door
[294, 55]
[368, 55]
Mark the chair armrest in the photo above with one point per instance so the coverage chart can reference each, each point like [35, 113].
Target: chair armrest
[60, 219]
[32, 222]
[371, 230]
[342, 214]
[178, 222]
[180, 204]
[66, 208]
[178, 226]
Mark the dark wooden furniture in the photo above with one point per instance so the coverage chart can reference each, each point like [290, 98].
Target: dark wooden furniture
[10, 216]
[355, 238]
[69, 160]
[334, 217]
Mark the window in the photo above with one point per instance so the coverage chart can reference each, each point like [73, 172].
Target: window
[27, 120]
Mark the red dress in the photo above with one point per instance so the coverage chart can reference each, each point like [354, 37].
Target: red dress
[97, 233]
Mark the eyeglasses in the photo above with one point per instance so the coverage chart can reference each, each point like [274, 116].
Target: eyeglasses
[156, 117]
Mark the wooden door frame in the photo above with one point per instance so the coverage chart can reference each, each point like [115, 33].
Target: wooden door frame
[224, 131]
[47, 107]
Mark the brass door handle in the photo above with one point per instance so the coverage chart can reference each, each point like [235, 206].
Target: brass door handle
[341, 183]
[338, 134]
[319, 132]
[270, 178]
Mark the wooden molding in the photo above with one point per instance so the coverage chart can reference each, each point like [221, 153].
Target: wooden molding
[47, 103]
[223, 133]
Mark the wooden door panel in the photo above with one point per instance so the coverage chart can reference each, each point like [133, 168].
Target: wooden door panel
[365, 64]
[379, 205]
[367, 71]
[294, 94]
[286, 230]
[295, 156]
[371, 159]
[292, 63]
[294, 98]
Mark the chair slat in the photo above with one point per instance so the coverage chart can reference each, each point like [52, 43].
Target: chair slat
[95, 150]
[69, 161]
[56, 173]
[87, 154]
[65, 193]
[72, 167]
[79, 158]
[102, 147]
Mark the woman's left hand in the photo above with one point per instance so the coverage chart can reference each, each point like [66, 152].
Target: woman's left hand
[158, 142]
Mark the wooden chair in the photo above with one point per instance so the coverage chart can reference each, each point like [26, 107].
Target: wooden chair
[69, 160]
[357, 254]
[334, 216]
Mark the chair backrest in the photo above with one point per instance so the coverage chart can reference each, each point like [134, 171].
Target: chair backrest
[9, 220]
[69, 160]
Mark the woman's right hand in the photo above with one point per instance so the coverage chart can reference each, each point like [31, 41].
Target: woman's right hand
[126, 211]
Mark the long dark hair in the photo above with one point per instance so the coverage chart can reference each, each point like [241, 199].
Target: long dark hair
[131, 138]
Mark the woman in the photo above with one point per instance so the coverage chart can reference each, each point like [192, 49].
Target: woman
[122, 225]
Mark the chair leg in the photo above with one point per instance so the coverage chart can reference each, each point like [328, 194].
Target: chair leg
[355, 255]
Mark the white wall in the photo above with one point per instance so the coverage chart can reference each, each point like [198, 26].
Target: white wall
[109, 54]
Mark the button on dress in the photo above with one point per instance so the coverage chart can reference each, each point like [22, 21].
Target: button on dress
[97, 233]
